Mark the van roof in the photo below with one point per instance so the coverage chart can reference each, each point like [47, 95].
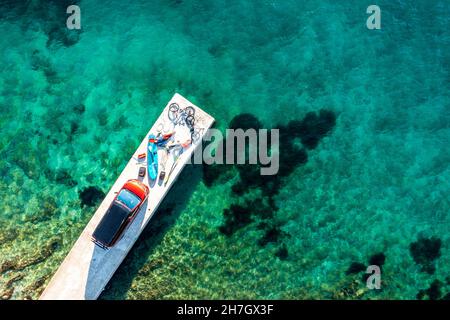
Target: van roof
[110, 224]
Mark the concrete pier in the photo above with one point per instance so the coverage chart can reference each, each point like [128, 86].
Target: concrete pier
[86, 270]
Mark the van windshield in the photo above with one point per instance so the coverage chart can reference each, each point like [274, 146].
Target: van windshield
[128, 198]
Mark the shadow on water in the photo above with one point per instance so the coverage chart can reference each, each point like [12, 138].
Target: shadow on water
[96, 270]
[165, 217]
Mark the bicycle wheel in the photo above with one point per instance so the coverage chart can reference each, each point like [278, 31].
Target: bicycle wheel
[173, 111]
[190, 111]
[190, 121]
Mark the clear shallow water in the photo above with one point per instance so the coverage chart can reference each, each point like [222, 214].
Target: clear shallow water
[75, 105]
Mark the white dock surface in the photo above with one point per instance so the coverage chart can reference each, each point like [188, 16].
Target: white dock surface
[87, 268]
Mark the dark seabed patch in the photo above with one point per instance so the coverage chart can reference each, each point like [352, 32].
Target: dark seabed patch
[310, 130]
[425, 251]
[91, 196]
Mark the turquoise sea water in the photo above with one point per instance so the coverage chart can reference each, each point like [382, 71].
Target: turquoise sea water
[75, 105]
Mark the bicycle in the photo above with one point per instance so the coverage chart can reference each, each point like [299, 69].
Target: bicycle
[180, 116]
